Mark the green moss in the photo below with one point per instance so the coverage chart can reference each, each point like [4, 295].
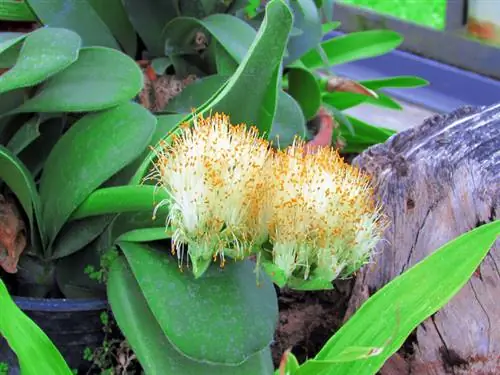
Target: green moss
[425, 13]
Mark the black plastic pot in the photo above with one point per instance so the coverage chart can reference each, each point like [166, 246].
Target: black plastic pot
[72, 324]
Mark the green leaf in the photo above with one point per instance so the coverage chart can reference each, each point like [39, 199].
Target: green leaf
[101, 78]
[16, 10]
[153, 349]
[38, 355]
[77, 234]
[197, 93]
[75, 15]
[116, 19]
[8, 40]
[346, 100]
[89, 153]
[232, 33]
[255, 83]
[146, 235]
[365, 135]
[231, 317]
[304, 88]
[120, 199]
[329, 26]
[388, 317]
[354, 46]
[27, 134]
[161, 64]
[384, 101]
[288, 123]
[395, 82]
[165, 124]
[149, 17]
[307, 20]
[225, 64]
[44, 53]
[19, 180]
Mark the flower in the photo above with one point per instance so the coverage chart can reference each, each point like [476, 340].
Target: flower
[215, 174]
[324, 220]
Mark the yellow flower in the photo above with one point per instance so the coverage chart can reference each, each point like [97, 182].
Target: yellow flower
[324, 221]
[215, 174]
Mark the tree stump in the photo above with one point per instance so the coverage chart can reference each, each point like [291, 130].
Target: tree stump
[437, 181]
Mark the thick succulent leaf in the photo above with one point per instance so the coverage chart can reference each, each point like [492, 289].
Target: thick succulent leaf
[116, 19]
[353, 46]
[388, 317]
[89, 153]
[44, 53]
[38, 355]
[307, 20]
[197, 93]
[75, 15]
[304, 88]
[234, 34]
[26, 134]
[101, 78]
[231, 315]
[288, 123]
[77, 234]
[153, 349]
[255, 83]
[146, 235]
[149, 17]
[120, 199]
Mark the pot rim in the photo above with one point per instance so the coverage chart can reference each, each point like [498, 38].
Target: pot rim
[59, 304]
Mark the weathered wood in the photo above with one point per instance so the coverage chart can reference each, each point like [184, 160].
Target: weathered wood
[436, 182]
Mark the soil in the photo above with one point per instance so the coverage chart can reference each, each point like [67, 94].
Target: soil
[308, 319]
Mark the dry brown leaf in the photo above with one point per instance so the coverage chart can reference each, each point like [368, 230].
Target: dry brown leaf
[12, 234]
[347, 85]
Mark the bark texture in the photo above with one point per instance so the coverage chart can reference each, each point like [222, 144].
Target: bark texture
[436, 182]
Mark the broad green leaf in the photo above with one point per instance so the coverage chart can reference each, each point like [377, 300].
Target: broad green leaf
[44, 53]
[160, 64]
[149, 17]
[304, 88]
[89, 153]
[153, 349]
[345, 100]
[251, 94]
[354, 46]
[8, 40]
[120, 199]
[231, 316]
[101, 78]
[28, 133]
[135, 221]
[197, 93]
[384, 101]
[234, 34]
[307, 20]
[288, 123]
[113, 14]
[225, 64]
[146, 235]
[327, 7]
[164, 125]
[388, 317]
[16, 10]
[77, 234]
[38, 355]
[395, 82]
[75, 15]
[18, 179]
[35, 155]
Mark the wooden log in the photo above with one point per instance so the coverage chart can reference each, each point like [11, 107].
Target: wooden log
[437, 181]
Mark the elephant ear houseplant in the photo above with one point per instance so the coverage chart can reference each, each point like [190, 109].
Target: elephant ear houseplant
[181, 219]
